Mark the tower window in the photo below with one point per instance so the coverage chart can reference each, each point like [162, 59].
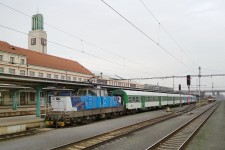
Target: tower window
[1, 57]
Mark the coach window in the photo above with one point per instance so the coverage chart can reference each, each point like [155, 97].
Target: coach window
[146, 99]
[137, 99]
[129, 99]
[151, 99]
[133, 99]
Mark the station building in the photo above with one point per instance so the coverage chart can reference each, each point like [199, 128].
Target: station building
[35, 62]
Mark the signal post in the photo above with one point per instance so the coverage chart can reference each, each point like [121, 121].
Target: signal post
[188, 84]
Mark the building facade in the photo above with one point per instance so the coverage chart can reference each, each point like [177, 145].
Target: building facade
[35, 62]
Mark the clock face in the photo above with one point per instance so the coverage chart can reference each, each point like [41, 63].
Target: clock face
[43, 41]
[33, 41]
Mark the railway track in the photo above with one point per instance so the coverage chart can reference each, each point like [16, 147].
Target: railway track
[22, 134]
[106, 137]
[177, 139]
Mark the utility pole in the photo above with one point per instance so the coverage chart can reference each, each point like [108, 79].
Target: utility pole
[199, 75]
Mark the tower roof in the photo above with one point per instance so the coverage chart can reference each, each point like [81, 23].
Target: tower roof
[38, 22]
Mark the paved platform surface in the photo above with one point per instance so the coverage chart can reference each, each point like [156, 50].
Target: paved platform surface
[8, 121]
[212, 135]
[61, 136]
[7, 111]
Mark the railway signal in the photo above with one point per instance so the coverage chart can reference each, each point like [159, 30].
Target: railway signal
[188, 80]
[188, 84]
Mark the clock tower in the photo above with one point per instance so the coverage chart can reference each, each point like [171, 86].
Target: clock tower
[37, 38]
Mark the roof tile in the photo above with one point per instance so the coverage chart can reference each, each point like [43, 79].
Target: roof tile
[45, 60]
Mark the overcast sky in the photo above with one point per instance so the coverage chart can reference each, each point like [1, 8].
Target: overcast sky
[198, 26]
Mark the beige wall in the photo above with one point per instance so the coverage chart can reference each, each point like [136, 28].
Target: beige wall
[38, 47]
[73, 76]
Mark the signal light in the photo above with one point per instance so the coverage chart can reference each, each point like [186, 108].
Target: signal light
[179, 87]
[188, 80]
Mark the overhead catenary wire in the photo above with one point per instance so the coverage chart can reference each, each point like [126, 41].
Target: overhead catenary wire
[146, 35]
[165, 30]
[80, 51]
[81, 39]
[168, 77]
[56, 28]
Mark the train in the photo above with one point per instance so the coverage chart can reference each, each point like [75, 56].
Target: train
[91, 104]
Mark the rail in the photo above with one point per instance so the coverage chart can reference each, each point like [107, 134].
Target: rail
[97, 140]
[177, 139]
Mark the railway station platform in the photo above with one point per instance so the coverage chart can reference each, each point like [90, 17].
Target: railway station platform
[9, 125]
[7, 111]
[211, 135]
